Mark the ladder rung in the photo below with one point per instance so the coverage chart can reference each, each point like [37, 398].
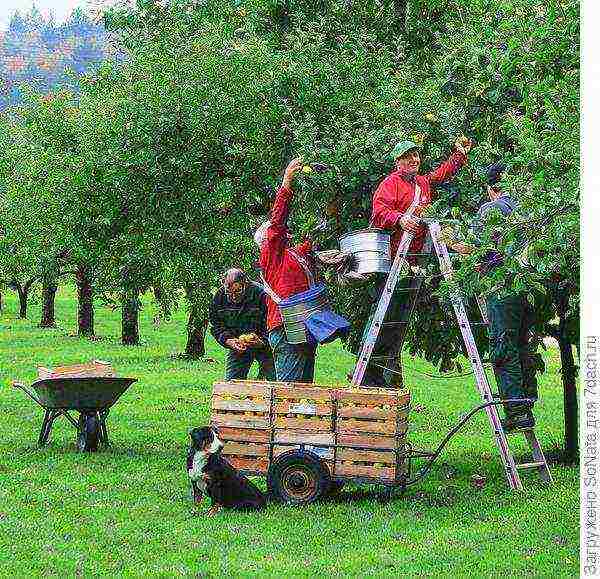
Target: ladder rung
[519, 430]
[531, 464]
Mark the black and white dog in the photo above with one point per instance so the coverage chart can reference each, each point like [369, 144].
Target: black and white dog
[211, 474]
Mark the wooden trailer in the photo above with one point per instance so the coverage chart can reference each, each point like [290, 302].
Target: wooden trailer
[308, 439]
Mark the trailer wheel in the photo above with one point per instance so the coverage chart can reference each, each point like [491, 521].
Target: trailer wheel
[297, 478]
[89, 433]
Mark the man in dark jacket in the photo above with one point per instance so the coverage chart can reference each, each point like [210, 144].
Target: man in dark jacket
[238, 320]
[509, 316]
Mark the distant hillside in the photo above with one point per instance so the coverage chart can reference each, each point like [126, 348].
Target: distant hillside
[37, 52]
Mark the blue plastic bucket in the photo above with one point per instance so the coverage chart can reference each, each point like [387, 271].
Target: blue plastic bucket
[296, 309]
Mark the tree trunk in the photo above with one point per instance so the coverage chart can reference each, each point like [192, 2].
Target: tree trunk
[49, 288]
[23, 291]
[196, 326]
[85, 303]
[130, 332]
[569, 380]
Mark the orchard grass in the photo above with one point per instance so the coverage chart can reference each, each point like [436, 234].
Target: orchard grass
[127, 510]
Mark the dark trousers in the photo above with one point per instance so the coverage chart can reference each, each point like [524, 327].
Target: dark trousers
[238, 364]
[510, 351]
[293, 362]
[388, 348]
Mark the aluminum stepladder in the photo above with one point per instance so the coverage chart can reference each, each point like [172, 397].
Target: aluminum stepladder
[491, 404]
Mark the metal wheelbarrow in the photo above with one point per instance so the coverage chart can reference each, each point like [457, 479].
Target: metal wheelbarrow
[92, 397]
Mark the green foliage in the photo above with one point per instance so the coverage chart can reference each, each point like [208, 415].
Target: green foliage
[170, 160]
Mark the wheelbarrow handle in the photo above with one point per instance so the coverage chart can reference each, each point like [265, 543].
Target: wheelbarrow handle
[27, 391]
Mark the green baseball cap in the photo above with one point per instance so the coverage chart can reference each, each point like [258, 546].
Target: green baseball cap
[401, 148]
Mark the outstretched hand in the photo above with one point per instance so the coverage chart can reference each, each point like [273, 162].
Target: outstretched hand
[290, 171]
[463, 144]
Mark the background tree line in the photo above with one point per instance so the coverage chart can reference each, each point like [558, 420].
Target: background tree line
[152, 175]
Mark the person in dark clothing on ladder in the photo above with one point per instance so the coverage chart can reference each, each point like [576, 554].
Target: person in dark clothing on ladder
[510, 319]
[238, 321]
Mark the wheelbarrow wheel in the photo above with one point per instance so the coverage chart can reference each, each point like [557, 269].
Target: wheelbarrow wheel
[89, 433]
[297, 478]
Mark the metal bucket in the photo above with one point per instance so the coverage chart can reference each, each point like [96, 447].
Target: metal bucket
[298, 308]
[370, 248]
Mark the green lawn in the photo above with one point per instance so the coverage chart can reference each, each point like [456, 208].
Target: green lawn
[127, 511]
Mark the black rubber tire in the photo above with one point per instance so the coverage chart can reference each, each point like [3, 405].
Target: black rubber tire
[89, 433]
[297, 478]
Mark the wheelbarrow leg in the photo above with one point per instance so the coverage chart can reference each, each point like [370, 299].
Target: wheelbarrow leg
[46, 427]
[103, 430]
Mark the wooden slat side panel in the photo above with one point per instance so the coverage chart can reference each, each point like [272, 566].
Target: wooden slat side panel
[243, 434]
[371, 456]
[316, 423]
[291, 407]
[243, 389]
[246, 449]
[300, 437]
[373, 397]
[253, 464]
[239, 420]
[308, 394]
[345, 469]
[378, 427]
[324, 453]
[366, 412]
[219, 403]
[366, 441]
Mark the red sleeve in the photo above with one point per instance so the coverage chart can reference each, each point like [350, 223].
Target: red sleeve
[383, 214]
[277, 234]
[448, 169]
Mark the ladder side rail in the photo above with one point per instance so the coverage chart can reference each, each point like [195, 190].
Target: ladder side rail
[483, 309]
[480, 376]
[384, 301]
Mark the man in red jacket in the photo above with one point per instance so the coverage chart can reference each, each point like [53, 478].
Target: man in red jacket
[397, 205]
[286, 271]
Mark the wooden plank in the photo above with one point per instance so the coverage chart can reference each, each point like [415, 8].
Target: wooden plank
[366, 441]
[383, 473]
[219, 403]
[291, 407]
[365, 412]
[302, 393]
[94, 368]
[374, 456]
[297, 436]
[239, 420]
[240, 389]
[325, 453]
[320, 424]
[255, 464]
[352, 425]
[376, 398]
[243, 434]
[245, 449]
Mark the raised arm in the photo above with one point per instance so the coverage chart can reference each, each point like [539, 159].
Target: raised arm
[449, 168]
[277, 233]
